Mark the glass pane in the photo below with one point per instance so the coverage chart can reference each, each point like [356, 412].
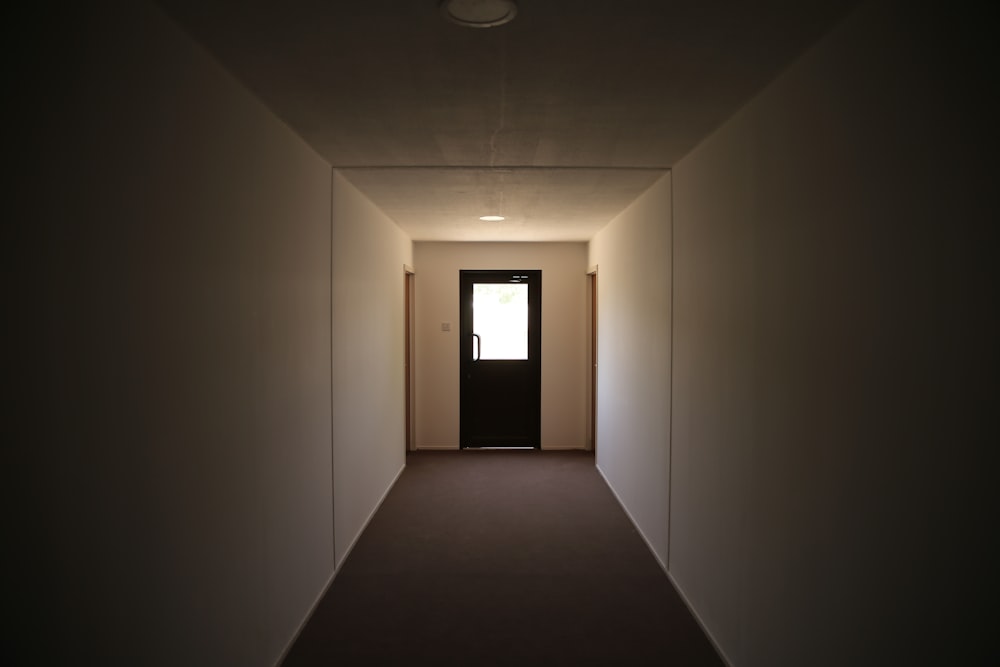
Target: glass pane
[500, 318]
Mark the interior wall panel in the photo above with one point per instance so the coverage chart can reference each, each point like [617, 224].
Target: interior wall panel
[174, 241]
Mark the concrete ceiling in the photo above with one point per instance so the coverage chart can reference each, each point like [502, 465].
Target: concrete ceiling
[558, 120]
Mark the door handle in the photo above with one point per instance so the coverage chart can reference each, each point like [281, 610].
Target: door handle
[479, 346]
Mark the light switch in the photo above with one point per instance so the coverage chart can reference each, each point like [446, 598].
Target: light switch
[446, 326]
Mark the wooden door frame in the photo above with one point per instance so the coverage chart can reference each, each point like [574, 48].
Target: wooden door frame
[408, 298]
[592, 280]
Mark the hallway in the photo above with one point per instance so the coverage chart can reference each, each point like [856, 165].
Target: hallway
[796, 332]
[501, 558]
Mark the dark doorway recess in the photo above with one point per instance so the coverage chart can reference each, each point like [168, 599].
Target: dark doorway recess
[500, 358]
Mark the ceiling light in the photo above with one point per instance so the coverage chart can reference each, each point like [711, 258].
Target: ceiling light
[479, 13]
[491, 218]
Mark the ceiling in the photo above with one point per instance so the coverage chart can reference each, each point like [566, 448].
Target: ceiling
[557, 120]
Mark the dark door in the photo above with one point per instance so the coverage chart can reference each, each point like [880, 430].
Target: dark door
[501, 359]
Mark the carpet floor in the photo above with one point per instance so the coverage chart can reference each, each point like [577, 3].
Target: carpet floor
[501, 558]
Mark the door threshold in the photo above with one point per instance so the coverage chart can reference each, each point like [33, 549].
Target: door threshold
[502, 448]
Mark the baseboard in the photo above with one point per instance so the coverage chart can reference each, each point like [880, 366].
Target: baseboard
[649, 545]
[305, 620]
[666, 571]
[704, 628]
[336, 569]
[437, 448]
[568, 448]
[371, 514]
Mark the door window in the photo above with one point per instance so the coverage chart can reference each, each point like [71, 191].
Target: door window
[500, 320]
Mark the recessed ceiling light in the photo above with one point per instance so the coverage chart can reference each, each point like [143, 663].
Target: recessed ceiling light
[491, 218]
[479, 13]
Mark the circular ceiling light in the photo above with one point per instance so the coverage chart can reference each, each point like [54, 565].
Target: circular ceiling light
[491, 218]
[479, 13]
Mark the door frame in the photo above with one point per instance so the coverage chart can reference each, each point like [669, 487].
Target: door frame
[592, 388]
[408, 344]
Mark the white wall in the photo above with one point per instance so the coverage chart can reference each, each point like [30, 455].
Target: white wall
[831, 342]
[369, 451]
[564, 336]
[633, 259]
[173, 248]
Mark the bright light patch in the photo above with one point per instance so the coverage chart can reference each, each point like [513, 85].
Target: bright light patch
[491, 218]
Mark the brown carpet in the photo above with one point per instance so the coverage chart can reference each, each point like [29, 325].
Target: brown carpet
[501, 558]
